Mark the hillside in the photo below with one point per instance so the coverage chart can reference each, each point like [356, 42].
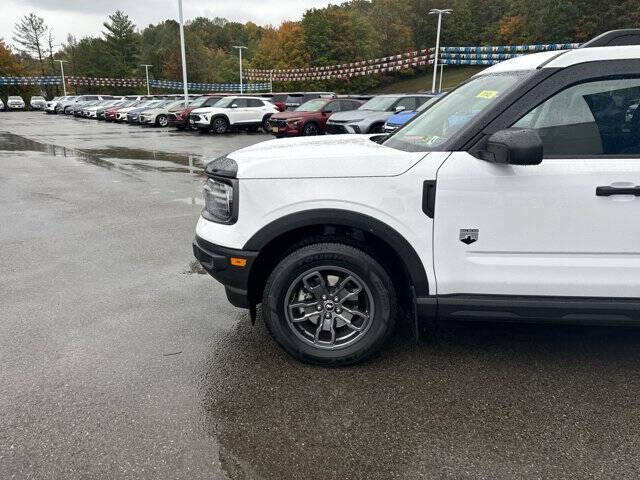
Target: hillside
[452, 77]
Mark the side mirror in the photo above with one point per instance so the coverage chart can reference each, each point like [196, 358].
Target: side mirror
[400, 108]
[234, 106]
[513, 146]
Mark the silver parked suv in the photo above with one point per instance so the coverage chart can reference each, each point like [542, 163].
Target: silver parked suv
[371, 116]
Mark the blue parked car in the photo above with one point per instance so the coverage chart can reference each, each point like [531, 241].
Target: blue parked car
[400, 118]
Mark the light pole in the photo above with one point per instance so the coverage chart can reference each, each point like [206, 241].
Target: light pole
[184, 57]
[64, 87]
[240, 47]
[146, 68]
[441, 73]
[439, 12]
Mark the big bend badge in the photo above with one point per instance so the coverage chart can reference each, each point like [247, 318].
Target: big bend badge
[469, 235]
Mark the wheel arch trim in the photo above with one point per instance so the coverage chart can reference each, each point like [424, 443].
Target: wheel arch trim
[346, 218]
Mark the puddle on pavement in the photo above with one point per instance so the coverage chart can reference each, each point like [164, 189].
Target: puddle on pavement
[111, 157]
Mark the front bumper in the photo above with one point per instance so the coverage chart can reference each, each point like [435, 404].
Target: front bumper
[15, 106]
[341, 128]
[282, 127]
[216, 260]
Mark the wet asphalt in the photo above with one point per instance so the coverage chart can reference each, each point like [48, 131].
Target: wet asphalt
[118, 359]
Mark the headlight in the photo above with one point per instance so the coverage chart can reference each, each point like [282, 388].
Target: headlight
[357, 120]
[219, 201]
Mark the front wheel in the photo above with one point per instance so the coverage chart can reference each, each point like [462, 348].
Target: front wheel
[266, 124]
[219, 125]
[162, 120]
[310, 129]
[329, 304]
[377, 128]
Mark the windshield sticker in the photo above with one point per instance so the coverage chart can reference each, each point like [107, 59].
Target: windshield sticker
[488, 94]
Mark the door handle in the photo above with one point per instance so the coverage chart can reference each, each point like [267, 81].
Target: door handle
[610, 191]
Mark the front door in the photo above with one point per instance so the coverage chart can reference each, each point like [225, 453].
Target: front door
[567, 227]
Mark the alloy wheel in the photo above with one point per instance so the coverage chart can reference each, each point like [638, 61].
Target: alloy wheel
[329, 307]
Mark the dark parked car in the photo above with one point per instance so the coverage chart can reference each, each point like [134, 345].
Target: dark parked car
[294, 100]
[310, 118]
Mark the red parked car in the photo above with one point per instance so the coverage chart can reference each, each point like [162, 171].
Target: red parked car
[180, 118]
[110, 113]
[278, 99]
[311, 117]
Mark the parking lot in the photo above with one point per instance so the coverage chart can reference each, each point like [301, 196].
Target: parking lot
[121, 360]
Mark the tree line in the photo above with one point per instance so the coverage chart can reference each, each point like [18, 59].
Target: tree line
[353, 30]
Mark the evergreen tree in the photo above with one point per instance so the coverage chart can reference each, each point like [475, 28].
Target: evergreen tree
[122, 44]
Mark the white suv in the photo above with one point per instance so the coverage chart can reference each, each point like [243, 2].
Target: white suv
[15, 102]
[515, 197]
[252, 112]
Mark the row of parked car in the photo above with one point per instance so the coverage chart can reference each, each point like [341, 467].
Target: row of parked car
[15, 102]
[281, 114]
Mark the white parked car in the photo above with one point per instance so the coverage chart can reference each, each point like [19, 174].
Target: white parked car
[251, 112]
[37, 102]
[515, 197]
[1, 104]
[50, 106]
[159, 115]
[15, 102]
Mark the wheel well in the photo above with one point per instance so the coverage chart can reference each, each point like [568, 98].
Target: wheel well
[220, 115]
[311, 121]
[281, 246]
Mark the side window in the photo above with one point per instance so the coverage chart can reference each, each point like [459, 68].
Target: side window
[594, 118]
[333, 107]
[254, 102]
[409, 103]
[420, 101]
[210, 102]
[240, 102]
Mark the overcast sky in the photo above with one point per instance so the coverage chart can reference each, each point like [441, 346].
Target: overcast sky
[85, 17]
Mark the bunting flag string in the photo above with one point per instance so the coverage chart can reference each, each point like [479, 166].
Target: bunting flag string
[478, 55]
[130, 82]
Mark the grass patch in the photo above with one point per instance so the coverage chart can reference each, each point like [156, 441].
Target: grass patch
[453, 75]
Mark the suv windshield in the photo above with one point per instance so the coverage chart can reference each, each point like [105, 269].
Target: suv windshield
[379, 104]
[429, 131]
[311, 105]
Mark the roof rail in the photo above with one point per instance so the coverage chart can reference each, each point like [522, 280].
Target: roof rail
[615, 38]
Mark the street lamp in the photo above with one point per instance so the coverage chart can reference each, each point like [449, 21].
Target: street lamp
[439, 12]
[146, 68]
[240, 47]
[64, 87]
[184, 57]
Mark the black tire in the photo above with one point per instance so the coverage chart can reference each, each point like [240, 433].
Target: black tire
[266, 125]
[377, 292]
[219, 125]
[310, 129]
[162, 120]
[377, 128]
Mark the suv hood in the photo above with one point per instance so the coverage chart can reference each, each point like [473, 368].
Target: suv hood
[335, 156]
[358, 114]
[291, 114]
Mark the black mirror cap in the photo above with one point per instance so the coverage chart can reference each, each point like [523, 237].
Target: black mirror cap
[513, 146]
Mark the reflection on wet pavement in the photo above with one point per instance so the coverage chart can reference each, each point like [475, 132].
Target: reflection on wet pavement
[481, 401]
[123, 158]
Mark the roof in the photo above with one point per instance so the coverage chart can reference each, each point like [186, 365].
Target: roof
[564, 58]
